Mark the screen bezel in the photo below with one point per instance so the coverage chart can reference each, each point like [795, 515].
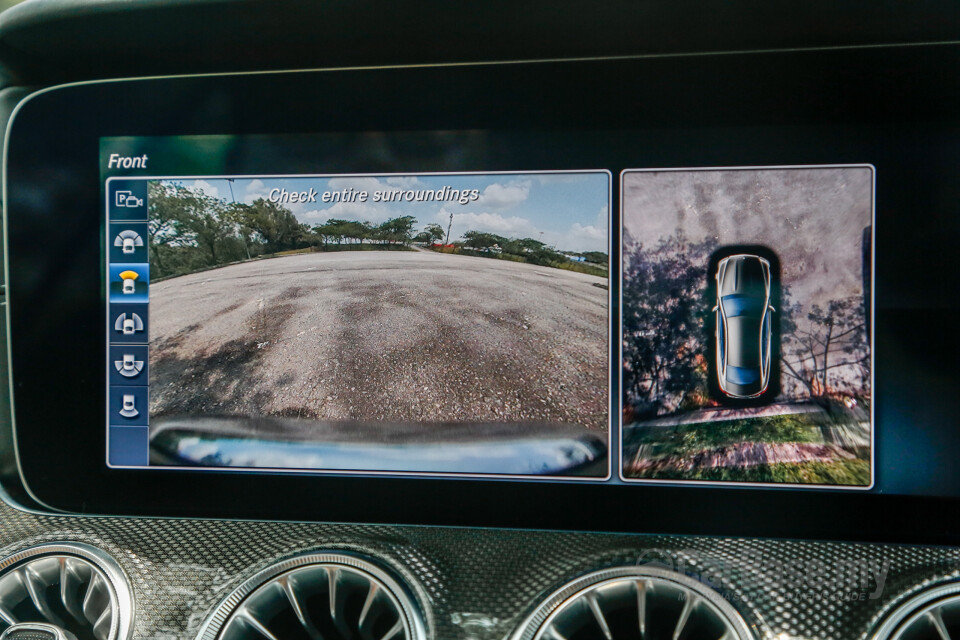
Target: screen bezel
[751, 95]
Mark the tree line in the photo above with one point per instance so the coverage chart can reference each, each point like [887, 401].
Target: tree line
[527, 249]
[190, 230]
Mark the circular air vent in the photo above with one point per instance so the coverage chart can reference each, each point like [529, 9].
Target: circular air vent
[317, 596]
[71, 585]
[634, 603]
[933, 614]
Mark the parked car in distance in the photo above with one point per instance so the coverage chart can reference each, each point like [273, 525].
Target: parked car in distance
[743, 325]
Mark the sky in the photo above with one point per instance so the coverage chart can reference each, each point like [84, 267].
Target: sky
[569, 209]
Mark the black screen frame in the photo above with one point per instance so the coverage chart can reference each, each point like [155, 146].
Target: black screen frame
[719, 110]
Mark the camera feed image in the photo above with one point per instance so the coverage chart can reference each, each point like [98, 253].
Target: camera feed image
[746, 302]
[441, 323]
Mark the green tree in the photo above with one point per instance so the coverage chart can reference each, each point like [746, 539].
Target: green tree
[544, 256]
[396, 230]
[170, 209]
[186, 226]
[210, 229]
[235, 214]
[596, 257]
[357, 231]
[527, 245]
[332, 230]
[275, 225]
[481, 240]
[434, 232]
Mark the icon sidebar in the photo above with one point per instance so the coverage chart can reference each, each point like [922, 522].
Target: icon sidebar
[128, 323]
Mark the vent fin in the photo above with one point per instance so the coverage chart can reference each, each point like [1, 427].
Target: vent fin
[332, 580]
[367, 604]
[936, 617]
[36, 586]
[642, 587]
[246, 618]
[591, 599]
[689, 605]
[394, 632]
[101, 628]
[71, 581]
[7, 616]
[289, 588]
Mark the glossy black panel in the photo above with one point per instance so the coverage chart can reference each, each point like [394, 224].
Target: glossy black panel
[734, 110]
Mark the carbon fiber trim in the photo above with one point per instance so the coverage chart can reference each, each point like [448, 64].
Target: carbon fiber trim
[480, 584]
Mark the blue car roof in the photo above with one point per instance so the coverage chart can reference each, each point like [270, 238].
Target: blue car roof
[738, 304]
[742, 375]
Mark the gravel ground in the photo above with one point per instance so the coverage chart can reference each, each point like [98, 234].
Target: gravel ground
[382, 336]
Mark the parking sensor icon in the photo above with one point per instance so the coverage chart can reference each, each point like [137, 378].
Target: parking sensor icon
[128, 324]
[129, 366]
[129, 281]
[129, 408]
[128, 240]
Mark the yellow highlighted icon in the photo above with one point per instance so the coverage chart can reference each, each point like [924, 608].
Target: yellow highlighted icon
[129, 281]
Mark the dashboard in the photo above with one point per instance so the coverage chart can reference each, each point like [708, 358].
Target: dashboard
[593, 334]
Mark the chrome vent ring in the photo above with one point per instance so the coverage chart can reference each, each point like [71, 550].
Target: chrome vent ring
[70, 585]
[933, 614]
[317, 596]
[634, 603]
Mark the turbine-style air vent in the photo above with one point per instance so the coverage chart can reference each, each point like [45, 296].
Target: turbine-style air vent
[933, 614]
[317, 596]
[634, 603]
[73, 586]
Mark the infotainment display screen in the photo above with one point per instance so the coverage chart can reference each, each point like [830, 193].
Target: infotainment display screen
[535, 298]
[444, 323]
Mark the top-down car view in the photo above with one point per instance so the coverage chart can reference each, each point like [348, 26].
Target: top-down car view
[743, 325]
[479, 321]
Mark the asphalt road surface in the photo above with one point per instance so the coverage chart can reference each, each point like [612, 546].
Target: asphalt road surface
[382, 336]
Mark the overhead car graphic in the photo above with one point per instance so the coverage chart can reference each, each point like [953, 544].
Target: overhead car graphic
[743, 326]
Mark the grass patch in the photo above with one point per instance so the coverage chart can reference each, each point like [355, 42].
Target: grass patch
[291, 252]
[582, 267]
[688, 439]
[839, 472]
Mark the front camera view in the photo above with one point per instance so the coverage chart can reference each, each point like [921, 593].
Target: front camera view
[432, 323]
[746, 305]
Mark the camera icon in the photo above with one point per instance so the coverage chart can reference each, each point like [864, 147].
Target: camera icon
[127, 199]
